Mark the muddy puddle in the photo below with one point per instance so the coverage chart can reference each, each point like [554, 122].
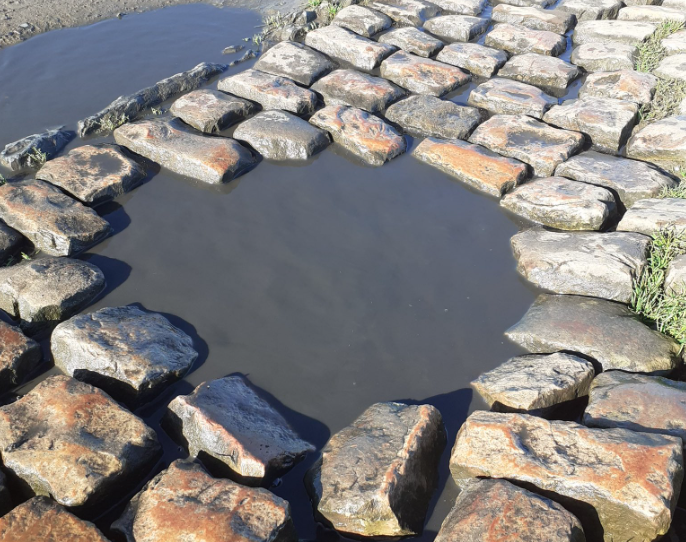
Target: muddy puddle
[331, 285]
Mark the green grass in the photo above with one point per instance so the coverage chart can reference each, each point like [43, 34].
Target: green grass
[2, 180]
[678, 191]
[651, 52]
[36, 158]
[110, 124]
[314, 3]
[669, 93]
[333, 9]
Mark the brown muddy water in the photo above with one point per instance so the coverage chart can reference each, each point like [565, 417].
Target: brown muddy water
[331, 285]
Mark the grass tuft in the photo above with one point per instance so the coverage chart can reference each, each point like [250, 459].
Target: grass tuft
[678, 191]
[109, 124]
[669, 93]
[314, 3]
[36, 158]
[651, 52]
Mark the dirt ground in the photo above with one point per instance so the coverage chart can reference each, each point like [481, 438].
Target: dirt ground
[21, 19]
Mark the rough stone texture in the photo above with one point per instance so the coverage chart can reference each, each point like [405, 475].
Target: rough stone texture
[477, 59]
[412, 40]
[134, 105]
[543, 71]
[427, 116]
[55, 223]
[626, 85]
[533, 18]
[17, 155]
[10, 242]
[407, 12]
[46, 291]
[457, 27]
[675, 43]
[131, 354]
[535, 383]
[357, 89]
[508, 97]
[211, 111]
[19, 355]
[662, 142]
[71, 441]
[422, 75]
[631, 180]
[42, 520]
[672, 67]
[171, 144]
[649, 216]
[461, 7]
[185, 503]
[361, 20]
[376, 476]
[601, 265]
[590, 10]
[675, 279]
[559, 203]
[344, 45]
[271, 91]
[361, 133]
[226, 424]
[647, 404]
[603, 330]
[653, 14]
[496, 510]
[528, 140]
[678, 4]
[472, 164]
[278, 135]
[606, 122]
[529, 3]
[628, 32]
[295, 61]
[605, 57]
[622, 485]
[93, 174]
[519, 40]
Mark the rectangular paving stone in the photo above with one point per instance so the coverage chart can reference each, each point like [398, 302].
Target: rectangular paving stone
[357, 89]
[477, 59]
[362, 133]
[55, 223]
[508, 97]
[675, 279]
[529, 3]
[652, 14]
[678, 4]
[19, 356]
[533, 18]
[270, 91]
[18, 155]
[428, 116]
[675, 43]
[672, 67]
[649, 216]
[472, 164]
[605, 57]
[551, 74]
[662, 142]
[628, 32]
[422, 75]
[457, 27]
[462, 7]
[362, 20]
[590, 10]
[296, 61]
[407, 12]
[519, 40]
[531, 141]
[211, 111]
[412, 40]
[346, 46]
[626, 85]
[209, 159]
[631, 180]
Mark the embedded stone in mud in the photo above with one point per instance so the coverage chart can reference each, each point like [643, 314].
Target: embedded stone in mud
[605, 331]
[472, 164]
[631, 180]
[621, 485]
[626, 85]
[628, 32]
[362, 20]
[55, 223]
[211, 111]
[477, 59]
[71, 441]
[650, 216]
[93, 174]
[407, 12]
[412, 40]
[43, 520]
[519, 40]
[21, 154]
[231, 429]
[270, 91]
[422, 75]
[19, 355]
[544, 71]
[10, 243]
[296, 61]
[44, 292]
[362, 133]
[508, 97]
[344, 45]
[183, 501]
[534, 18]
[605, 57]
[590, 10]
[601, 265]
[528, 140]
[278, 135]
[496, 510]
[457, 27]
[376, 476]
[357, 89]
[131, 354]
[428, 116]
[662, 142]
[171, 144]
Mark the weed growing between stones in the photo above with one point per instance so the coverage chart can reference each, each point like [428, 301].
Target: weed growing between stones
[669, 93]
[109, 124]
[314, 3]
[36, 158]
[333, 9]
[678, 191]
[2, 180]
[666, 310]
[651, 52]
